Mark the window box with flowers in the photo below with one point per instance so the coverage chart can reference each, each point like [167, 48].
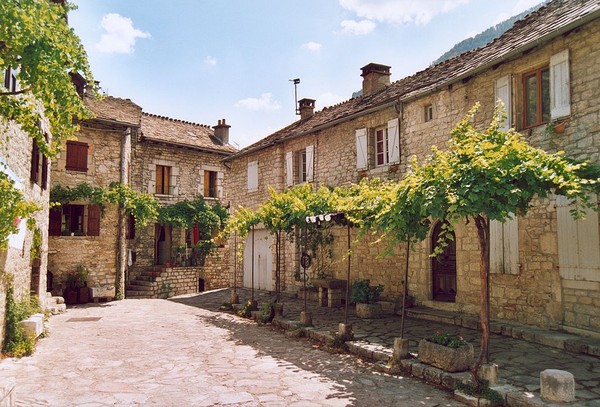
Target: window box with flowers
[446, 352]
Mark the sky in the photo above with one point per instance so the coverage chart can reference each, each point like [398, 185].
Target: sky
[207, 60]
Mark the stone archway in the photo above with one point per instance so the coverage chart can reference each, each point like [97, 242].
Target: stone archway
[443, 267]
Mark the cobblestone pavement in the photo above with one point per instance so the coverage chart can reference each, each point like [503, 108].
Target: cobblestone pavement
[168, 353]
[520, 362]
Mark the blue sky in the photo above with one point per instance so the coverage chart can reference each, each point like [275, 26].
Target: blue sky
[206, 60]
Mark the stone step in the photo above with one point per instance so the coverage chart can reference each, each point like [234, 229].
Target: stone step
[133, 295]
[140, 293]
[142, 282]
[57, 308]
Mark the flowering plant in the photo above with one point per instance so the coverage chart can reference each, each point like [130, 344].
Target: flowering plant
[445, 339]
[77, 278]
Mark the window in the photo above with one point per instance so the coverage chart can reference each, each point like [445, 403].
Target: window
[210, 184]
[504, 94]
[536, 91]
[35, 165]
[163, 180]
[253, 176]
[77, 156]
[130, 232]
[300, 166]
[504, 246]
[383, 147]
[70, 220]
[10, 80]
[428, 113]
[381, 143]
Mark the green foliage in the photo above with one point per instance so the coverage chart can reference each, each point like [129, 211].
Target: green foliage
[36, 38]
[364, 293]
[77, 278]
[16, 342]
[484, 391]
[14, 207]
[143, 206]
[246, 310]
[445, 339]
[267, 312]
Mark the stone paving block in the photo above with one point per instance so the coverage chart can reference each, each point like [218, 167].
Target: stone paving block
[433, 375]
[7, 392]
[557, 386]
[418, 370]
[470, 323]
[523, 399]
[577, 346]
[594, 350]
[551, 339]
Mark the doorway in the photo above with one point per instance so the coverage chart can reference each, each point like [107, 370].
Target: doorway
[263, 261]
[443, 267]
[162, 243]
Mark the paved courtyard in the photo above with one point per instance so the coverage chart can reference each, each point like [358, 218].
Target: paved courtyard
[167, 353]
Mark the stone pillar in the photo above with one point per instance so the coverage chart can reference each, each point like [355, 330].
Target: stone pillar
[345, 332]
[334, 298]
[306, 318]
[278, 308]
[489, 372]
[234, 298]
[322, 296]
[400, 350]
[557, 386]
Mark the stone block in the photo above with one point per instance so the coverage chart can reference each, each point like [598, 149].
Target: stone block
[306, 318]
[557, 386]
[33, 326]
[489, 372]
[400, 350]
[444, 357]
[7, 392]
[103, 291]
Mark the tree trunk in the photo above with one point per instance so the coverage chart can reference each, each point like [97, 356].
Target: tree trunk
[484, 273]
[277, 265]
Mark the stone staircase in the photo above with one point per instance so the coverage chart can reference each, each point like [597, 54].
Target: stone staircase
[145, 285]
[55, 304]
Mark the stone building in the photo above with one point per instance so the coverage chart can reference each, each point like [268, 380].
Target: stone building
[25, 257]
[81, 232]
[171, 159]
[545, 266]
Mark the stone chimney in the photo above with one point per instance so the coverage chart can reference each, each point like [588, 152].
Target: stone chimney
[306, 108]
[222, 131]
[375, 77]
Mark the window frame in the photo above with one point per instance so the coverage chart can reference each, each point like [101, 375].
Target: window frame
[537, 73]
[210, 184]
[302, 166]
[381, 146]
[428, 112]
[163, 180]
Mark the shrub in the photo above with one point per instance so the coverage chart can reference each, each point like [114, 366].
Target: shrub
[363, 293]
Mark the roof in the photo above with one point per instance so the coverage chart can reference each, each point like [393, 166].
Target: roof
[114, 110]
[182, 133]
[555, 18]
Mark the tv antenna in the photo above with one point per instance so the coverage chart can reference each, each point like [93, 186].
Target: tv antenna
[296, 82]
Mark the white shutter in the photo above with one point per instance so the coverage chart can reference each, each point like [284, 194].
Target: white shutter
[310, 162]
[289, 168]
[393, 141]
[503, 93]
[253, 176]
[361, 149]
[220, 177]
[560, 97]
[201, 183]
[578, 243]
[504, 246]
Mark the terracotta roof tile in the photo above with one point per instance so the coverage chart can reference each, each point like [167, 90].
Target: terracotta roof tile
[555, 18]
[182, 133]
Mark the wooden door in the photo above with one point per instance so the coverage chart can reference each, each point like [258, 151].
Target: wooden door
[443, 268]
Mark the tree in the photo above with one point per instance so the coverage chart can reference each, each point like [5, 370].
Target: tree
[494, 175]
[36, 41]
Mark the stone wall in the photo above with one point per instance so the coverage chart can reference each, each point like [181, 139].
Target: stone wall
[15, 151]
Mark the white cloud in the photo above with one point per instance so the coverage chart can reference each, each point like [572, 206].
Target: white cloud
[312, 46]
[210, 61]
[357, 27]
[264, 102]
[400, 11]
[120, 35]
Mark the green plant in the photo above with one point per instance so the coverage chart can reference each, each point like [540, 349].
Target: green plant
[493, 396]
[267, 312]
[246, 310]
[337, 342]
[16, 342]
[445, 339]
[364, 293]
[77, 278]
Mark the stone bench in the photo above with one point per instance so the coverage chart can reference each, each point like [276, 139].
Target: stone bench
[34, 325]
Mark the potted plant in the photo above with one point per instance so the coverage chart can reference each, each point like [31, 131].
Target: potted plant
[75, 281]
[446, 352]
[366, 296]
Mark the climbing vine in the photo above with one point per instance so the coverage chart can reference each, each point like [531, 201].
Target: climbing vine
[13, 209]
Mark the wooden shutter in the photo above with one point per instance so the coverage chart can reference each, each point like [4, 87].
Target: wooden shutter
[560, 97]
[253, 176]
[220, 177]
[55, 224]
[35, 163]
[207, 185]
[362, 157]
[202, 187]
[578, 243]
[504, 94]
[93, 224]
[289, 168]
[504, 246]
[393, 141]
[77, 154]
[310, 163]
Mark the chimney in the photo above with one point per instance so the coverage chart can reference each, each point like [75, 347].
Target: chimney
[306, 108]
[222, 131]
[375, 77]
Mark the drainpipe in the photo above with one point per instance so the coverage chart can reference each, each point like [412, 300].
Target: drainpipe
[121, 249]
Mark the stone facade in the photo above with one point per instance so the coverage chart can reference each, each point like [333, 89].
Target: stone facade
[537, 290]
[28, 274]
